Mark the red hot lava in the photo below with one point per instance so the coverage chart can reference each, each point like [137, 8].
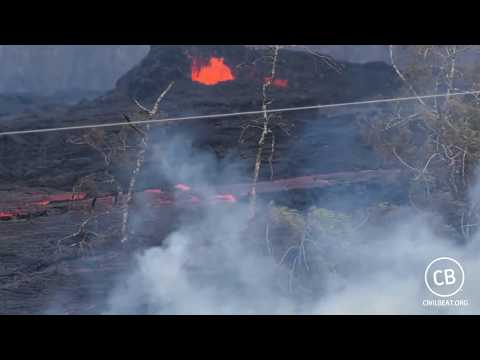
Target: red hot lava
[6, 215]
[279, 83]
[61, 197]
[182, 187]
[226, 197]
[154, 191]
[154, 197]
[211, 73]
[158, 197]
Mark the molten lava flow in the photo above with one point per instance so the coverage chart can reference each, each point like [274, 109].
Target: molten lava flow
[279, 83]
[158, 197]
[61, 197]
[227, 198]
[182, 187]
[212, 73]
[4, 215]
[195, 200]
[154, 191]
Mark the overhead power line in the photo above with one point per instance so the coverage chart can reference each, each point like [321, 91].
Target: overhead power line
[235, 114]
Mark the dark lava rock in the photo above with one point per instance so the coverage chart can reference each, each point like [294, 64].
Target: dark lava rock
[318, 141]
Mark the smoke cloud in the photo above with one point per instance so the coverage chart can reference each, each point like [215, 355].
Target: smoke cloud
[211, 264]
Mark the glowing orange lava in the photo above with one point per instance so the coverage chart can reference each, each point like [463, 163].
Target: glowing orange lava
[227, 198]
[61, 197]
[155, 197]
[195, 200]
[212, 73]
[279, 83]
[154, 191]
[7, 215]
[182, 187]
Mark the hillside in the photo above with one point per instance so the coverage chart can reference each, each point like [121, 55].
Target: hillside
[61, 253]
[48, 160]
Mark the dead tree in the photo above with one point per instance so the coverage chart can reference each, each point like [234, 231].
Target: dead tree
[140, 159]
[115, 147]
[265, 129]
[267, 125]
[111, 147]
[436, 139]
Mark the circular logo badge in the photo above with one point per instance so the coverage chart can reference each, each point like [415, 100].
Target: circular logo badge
[444, 277]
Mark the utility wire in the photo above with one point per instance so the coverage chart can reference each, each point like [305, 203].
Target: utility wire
[234, 114]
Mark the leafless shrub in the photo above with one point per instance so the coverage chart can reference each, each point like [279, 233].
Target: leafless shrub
[125, 148]
[436, 140]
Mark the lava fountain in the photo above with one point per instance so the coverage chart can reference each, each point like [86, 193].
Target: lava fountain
[212, 72]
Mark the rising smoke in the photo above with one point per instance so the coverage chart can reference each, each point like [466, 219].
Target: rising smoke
[214, 265]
